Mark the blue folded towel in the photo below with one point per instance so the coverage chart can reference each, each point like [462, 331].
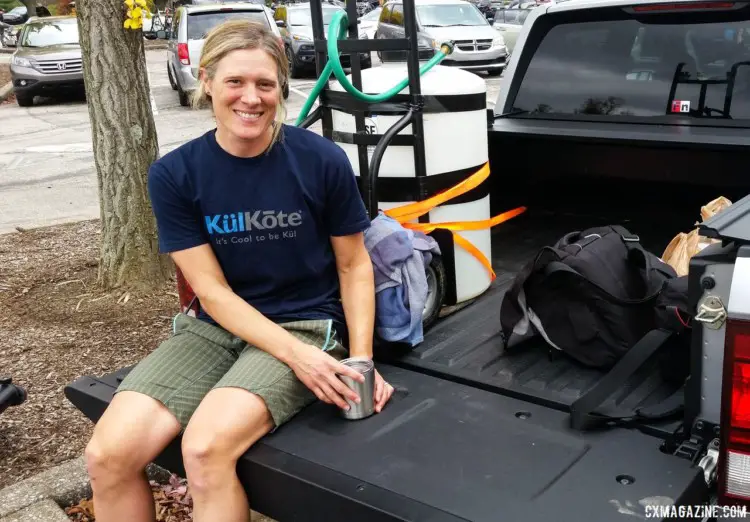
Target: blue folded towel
[399, 258]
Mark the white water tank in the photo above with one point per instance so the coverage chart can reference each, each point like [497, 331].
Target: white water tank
[455, 140]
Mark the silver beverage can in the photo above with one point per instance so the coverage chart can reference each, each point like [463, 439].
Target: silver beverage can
[365, 390]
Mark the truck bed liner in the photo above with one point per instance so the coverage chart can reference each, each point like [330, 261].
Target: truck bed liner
[443, 452]
[466, 346]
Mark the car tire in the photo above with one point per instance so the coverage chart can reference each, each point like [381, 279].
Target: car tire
[184, 98]
[494, 72]
[24, 100]
[437, 283]
[294, 68]
[171, 78]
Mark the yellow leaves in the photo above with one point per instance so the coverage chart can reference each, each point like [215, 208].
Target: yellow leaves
[135, 14]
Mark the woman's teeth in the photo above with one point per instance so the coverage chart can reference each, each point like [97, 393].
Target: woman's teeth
[248, 116]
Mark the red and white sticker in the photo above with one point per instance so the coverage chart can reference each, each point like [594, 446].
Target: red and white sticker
[681, 106]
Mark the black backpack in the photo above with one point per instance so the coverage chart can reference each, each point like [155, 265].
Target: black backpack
[603, 300]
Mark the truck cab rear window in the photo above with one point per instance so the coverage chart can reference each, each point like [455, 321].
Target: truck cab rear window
[201, 23]
[641, 68]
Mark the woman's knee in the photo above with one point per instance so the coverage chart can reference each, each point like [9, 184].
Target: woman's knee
[210, 449]
[130, 434]
[205, 455]
[110, 459]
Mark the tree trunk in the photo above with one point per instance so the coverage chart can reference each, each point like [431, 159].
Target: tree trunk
[125, 145]
[30, 6]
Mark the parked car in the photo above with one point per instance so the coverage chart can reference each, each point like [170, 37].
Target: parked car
[47, 60]
[478, 47]
[509, 22]
[295, 23]
[190, 26]
[368, 23]
[16, 16]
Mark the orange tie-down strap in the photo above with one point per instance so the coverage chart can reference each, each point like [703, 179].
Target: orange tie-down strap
[406, 213]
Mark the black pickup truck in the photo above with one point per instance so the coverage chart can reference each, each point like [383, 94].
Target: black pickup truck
[632, 112]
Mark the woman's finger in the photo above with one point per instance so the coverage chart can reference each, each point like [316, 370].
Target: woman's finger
[378, 389]
[342, 389]
[322, 396]
[343, 369]
[333, 396]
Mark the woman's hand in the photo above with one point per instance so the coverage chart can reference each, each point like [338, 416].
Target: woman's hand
[318, 371]
[383, 392]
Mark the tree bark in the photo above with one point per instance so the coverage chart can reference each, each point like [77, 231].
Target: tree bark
[30, 6]
[125, 144]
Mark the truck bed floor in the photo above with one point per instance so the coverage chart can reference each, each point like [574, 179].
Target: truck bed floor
[466, 347]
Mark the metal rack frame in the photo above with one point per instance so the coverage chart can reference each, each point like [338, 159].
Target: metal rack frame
[353, 46]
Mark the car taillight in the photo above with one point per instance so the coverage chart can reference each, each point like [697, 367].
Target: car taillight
[183, 54]
[733, 471]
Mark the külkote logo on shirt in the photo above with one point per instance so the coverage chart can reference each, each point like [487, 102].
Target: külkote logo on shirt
[249, 221]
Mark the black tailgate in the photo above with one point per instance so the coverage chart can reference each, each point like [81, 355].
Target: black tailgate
[443, 451]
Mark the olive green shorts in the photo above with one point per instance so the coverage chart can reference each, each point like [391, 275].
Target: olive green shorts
[199, 357]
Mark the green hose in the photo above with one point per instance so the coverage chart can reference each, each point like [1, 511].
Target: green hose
[336, 31]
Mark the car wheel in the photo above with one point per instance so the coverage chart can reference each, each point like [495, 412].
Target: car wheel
[294, 69]
[171, 79]
[436, 287]
[184, 98]
[24, 100]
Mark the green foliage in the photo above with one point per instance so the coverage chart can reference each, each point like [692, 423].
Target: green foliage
[7, 5]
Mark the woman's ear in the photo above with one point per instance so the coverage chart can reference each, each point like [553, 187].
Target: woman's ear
[203, 78]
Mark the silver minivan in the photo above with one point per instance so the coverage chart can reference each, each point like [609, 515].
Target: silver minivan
[478, 46]
[190, 26]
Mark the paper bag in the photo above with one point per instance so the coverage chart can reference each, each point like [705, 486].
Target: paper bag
[685, 245]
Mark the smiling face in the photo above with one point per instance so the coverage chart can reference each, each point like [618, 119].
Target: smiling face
[245, 95]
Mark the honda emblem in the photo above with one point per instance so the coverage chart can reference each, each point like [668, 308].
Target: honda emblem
[61, 66]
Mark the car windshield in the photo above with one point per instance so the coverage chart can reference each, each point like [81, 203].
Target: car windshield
[446, 15]
[699, 68]
[200, 23]
[372, 16]
[302, 17]
[46, 34]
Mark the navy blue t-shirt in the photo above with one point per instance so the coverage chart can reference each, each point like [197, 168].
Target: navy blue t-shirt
[268, 219]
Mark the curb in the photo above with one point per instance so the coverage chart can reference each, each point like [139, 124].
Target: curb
[5, 91]
[39, 498]
[7, 50]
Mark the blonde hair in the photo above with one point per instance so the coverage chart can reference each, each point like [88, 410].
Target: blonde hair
[233, 35]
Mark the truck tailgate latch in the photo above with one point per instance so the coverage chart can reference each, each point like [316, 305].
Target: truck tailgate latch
[709, 462]
[711, 312]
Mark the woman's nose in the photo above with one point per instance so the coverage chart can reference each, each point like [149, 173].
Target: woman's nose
[250, 95]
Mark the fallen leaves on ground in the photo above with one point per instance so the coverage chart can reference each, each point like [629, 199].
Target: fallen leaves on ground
[5, 78]
[172, 503]
[57, 325]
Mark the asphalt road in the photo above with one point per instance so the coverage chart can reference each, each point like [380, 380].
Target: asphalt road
[47, 173]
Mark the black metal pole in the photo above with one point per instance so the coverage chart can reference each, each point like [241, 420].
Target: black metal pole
[316, 16]
[415, 91]
[359, 116]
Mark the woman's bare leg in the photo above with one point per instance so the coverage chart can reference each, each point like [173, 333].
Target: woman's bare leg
[133, 431]
[227, 422]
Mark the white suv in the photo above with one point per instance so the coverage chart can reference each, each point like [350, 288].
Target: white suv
[190, 26]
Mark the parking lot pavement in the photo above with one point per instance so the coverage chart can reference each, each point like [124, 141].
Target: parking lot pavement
[47, 171]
